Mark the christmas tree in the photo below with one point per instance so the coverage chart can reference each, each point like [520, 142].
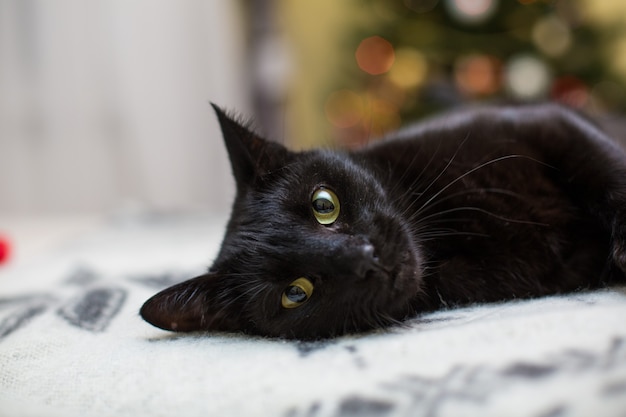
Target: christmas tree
[416, 57]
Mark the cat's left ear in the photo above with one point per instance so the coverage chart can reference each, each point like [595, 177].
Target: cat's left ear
[250, 155]
[192, 305]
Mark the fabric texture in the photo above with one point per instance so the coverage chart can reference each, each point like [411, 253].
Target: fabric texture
[72, 344]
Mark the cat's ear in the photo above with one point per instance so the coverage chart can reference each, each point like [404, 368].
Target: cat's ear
[191, 305]
[250, 155]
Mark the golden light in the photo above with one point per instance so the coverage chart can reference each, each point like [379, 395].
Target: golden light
[618, 63]
[409, 69]
[375, 55]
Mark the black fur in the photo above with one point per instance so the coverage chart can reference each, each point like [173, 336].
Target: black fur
[478, 206]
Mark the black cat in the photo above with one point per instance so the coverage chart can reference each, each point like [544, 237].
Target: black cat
[481, 205]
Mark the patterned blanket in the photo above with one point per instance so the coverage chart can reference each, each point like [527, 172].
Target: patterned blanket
[73, 344]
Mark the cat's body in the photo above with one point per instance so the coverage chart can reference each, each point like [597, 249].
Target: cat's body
[483, 205]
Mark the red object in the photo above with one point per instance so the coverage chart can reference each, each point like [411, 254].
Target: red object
[571, 91]
[5, 249]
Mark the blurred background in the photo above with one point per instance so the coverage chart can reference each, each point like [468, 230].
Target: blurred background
[104, 104]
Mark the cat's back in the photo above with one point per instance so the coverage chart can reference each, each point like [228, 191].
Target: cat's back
[545, 132]
[481, 184]
[488, 122]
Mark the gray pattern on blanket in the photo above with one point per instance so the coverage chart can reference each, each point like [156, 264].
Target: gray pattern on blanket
[413, 394]
[92, 306]
[86, 301]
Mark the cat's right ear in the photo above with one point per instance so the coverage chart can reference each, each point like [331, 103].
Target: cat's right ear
[195, 304]
[250, 155]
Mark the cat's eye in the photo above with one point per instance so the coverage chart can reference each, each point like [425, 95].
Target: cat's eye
[297, 293]
[325, 206]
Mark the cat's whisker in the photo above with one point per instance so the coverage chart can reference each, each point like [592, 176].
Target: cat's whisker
[250, 288]
[480, 210]
[441, 173]
[501, 191]
[471, 171]
[433, 236]
[427, 233]
[454, 181]
[418, 177]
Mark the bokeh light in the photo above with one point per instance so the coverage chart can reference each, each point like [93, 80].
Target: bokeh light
[430, 55]
[472, 11]
[552, 36]
[571, 91]
[409, 69]
[618, 54]
[527, 77]
[478, 74]
[375, 55]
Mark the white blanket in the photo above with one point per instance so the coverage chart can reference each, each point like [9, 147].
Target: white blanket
[72, 344]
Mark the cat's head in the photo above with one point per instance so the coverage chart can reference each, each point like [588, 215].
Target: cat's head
[314, 248]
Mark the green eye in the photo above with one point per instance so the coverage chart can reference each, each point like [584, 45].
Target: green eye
[325, 206]
[297, 293]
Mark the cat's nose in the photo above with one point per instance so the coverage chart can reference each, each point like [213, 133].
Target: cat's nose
[353, 256]
[367, 260]
[363, 257]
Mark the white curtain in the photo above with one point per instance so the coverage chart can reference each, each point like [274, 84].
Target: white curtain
[104, 103]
